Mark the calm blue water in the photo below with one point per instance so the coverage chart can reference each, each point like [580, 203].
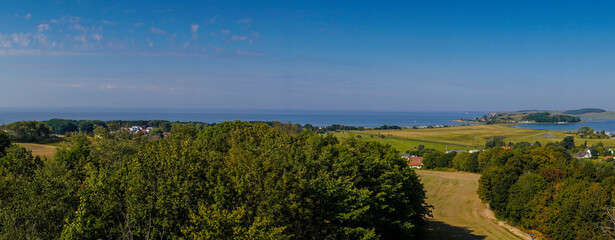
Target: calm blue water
[597, 124]
[316, 118]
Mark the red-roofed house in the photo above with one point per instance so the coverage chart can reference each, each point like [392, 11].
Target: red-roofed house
[415, 162]
[609, 157]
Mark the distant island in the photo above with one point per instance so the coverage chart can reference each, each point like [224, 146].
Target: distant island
[542, 116]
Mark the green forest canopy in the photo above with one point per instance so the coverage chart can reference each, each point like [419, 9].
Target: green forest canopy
[235, 180]
[584, 111]
[545, 117]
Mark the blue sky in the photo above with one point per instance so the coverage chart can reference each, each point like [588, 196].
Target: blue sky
[329, 55]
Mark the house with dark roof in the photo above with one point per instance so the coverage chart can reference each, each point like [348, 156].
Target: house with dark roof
[584, 154]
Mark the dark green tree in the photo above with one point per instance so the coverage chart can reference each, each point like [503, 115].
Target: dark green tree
[568, 142]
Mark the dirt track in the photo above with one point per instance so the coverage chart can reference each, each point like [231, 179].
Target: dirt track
[458, 212]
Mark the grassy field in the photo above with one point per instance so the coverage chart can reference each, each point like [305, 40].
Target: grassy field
[46, 150]
[458, 212]
[464, 137]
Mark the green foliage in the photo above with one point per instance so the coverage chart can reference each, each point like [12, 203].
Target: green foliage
[27, 131]
[5, 142]
[386, 127]
[519, 196]
[62, 126]
[543, 188]
[584, 111]
[235, 180]
[545, 117]
[568, 142]
[587, 132]
[430, 159]
[466, 162]
[89, 125]
[494, 142]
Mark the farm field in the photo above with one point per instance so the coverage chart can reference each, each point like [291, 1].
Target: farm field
[40, 149]
[464, 137]
[458, 212]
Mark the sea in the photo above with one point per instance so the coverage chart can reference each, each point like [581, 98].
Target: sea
[313, 117]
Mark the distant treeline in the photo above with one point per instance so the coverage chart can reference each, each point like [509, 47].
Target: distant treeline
[35, 131]
[386, 127]
[62, 126]
[27, 131]
[584, 111]
[545, 117]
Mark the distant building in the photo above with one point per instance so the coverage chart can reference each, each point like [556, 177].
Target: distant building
[608, 157]
[415, 162]
[584, 154]
[460, 151]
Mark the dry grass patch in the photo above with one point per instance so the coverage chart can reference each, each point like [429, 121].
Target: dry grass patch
[42, 150]
[458, 212]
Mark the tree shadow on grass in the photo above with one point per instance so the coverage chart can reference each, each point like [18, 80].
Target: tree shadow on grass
[440, 230]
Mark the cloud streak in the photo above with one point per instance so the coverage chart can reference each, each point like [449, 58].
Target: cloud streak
[22, 39]
[157, 31]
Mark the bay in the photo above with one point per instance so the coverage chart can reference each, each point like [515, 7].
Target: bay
[597, 124]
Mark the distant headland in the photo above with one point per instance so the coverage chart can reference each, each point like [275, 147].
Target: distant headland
[542, 116]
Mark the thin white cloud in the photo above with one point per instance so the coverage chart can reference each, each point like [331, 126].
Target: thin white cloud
[43, 27]
[151, 44]
[172, 90]
[28, 16]
[246, 23]
[156, 30]
[42, 39]
[225, 31]
[194, 27]
[69, 19]
[72, 19]
[97, 37]
[40, 36]
[5, 42]
[80, 28]
[172, 38]
[22, 39]
[238, 38]
[106, 87]
[80, 38]
[245, 20]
